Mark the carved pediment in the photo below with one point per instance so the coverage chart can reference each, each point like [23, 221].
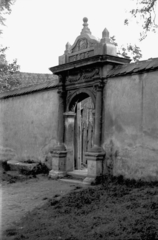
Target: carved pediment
[82, 44]
[87, 46]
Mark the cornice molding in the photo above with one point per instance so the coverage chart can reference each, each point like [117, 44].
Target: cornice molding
[98, 59]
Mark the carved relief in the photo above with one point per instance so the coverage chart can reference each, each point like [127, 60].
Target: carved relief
[69, 94]
[83, 44]
[80, 45]
[74, 78]
[81, 56]
[98, 86]
[90, 74]
[83, 76]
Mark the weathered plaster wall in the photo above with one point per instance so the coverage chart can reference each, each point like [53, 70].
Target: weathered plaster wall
[130, 126]
[28, 123]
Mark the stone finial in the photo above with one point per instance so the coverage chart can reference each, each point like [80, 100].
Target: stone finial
[109, 48]
[67, 47]
[85, 20]
[85, 26]
[105, 36]
[105, 33]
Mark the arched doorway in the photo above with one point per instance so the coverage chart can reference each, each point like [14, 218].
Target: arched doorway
[83, 105]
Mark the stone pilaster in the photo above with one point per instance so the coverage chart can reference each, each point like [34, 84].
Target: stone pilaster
[96, 156]
[59, 152]
[60, 145]
[98, 119]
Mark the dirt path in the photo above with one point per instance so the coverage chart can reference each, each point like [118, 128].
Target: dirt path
[19, 198]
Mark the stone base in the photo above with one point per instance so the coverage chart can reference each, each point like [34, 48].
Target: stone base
[59, 161]
[95, 167]
[96, 149]
[56, 174]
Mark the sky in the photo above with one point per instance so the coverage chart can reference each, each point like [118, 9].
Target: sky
[37, 31]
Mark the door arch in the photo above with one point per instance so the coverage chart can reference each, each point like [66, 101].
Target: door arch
[78, 96]
[82, 104]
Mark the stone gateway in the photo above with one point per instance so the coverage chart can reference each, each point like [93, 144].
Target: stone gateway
[97, 114]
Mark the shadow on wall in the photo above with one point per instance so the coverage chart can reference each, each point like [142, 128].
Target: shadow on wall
[133, 162]
[46, 152]
[110, 158]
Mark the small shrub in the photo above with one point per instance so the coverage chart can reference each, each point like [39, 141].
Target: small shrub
[5, 166]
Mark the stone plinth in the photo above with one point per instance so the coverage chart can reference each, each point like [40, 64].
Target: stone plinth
[95, 166]
[69, 139]
[58, 164]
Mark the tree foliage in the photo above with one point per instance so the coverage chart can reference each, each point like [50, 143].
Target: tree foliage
[128, 50]
[5, 8]
[6, 69]
[144, 12]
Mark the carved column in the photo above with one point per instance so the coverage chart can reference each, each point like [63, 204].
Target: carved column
[98, 119]
[60, 146]
[59, 152]
[96, 155]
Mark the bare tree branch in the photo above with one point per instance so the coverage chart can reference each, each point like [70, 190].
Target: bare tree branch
[129, 50]
[145, 10]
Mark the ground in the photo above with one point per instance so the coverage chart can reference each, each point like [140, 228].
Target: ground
[20, 195]
[116, 209]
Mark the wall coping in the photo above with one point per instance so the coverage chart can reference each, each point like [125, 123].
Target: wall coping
[24, 83]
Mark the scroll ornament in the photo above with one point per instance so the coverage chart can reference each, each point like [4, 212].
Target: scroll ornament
[83, 76]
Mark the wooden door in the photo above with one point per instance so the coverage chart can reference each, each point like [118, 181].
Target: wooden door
[84, 129]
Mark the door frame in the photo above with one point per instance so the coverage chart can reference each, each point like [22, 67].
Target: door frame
[75, 98]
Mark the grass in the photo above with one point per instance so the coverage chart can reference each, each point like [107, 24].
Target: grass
[116, 209]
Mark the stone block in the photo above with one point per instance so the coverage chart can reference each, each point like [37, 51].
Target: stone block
[59, 160]
[95, 166]
[58, 164]
[110, 50]
[62, 59]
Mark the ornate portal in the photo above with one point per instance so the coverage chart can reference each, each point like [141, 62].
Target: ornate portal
[82, 72]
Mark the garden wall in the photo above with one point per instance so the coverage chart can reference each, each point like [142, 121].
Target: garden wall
[28, 123]
[130, 125]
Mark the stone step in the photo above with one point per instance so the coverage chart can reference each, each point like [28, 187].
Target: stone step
[76, 177]
[74, 181]
[77, 174]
